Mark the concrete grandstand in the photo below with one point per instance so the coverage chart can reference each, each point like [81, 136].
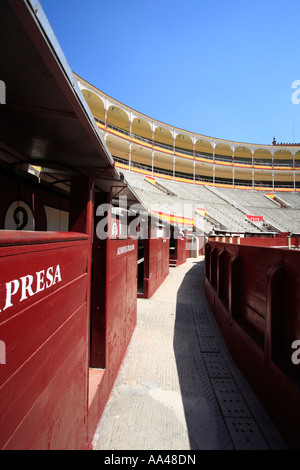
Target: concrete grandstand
[230, 187]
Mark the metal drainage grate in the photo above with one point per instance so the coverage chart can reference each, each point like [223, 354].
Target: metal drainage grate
[216, 366]
[208, 344]
[204, 329]
[230, 399]
[245, 434]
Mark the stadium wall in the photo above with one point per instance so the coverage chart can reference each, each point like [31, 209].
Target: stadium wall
[153, 147]
[252, 291]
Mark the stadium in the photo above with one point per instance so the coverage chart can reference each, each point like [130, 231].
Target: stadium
[239, 187]
[74, 161]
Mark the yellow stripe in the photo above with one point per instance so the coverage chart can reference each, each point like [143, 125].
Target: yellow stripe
[262, 167]
[151, 180]
[201, 183]
[283, 168]
[101, 126]
[140, 142]
[243, 165]
[287, 190]
[183, 155]
[119, 134]
[159, 149]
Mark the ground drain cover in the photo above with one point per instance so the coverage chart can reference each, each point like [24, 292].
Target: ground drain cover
[208, 344]
[204, 329]
[216, 366]
[230, 399]
[245, 434]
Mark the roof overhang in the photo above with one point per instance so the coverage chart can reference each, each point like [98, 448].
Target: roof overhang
[45, 120]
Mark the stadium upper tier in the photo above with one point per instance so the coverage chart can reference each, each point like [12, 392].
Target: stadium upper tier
[158, 149]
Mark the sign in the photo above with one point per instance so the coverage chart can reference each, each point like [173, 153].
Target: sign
[114, 229]
[28, 286]
[19, 216]
[255, 218]
[124, 249]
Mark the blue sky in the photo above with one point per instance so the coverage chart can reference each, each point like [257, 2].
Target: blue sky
[221, 68]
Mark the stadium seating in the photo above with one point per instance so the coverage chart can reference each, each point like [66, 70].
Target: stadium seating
[221, 208]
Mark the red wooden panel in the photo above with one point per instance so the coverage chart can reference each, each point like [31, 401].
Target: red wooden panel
[157, 259]
[121, 298]
[179, 256]
[256, 266]
[267, 257]
[267, 296]
[24, 333]
[18, 239]
[55, 366]
[223, 281]
[44, 327]
[291, 324]
[29, 276]
[269, 241]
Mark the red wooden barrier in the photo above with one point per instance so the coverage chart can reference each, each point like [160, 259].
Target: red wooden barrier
[50, 397]
[43, 318]
[113, 318]
[283, 242]
[156, 269]
[277, 241]
[179, 255]
[253, 292]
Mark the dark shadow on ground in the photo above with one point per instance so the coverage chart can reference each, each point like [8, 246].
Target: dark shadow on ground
[201, 418]
[221, 410]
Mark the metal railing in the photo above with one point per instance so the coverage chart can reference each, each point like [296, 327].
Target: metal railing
[209, 179]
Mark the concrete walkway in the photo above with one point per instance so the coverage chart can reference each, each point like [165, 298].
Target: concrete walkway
[178, 387]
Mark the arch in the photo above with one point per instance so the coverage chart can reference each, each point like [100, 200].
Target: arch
[283, 157]
[262, 157]
[297, 159]
[118, 118]
[164, 136]
[223, 152]
[203, 148]
[140, 127]
[242, 155]
[266, 159]
[184, 142]
[95, 103]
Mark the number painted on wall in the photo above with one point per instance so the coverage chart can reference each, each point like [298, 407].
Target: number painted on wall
[19, 216]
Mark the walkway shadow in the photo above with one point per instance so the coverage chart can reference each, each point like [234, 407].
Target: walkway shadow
[205, 425]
